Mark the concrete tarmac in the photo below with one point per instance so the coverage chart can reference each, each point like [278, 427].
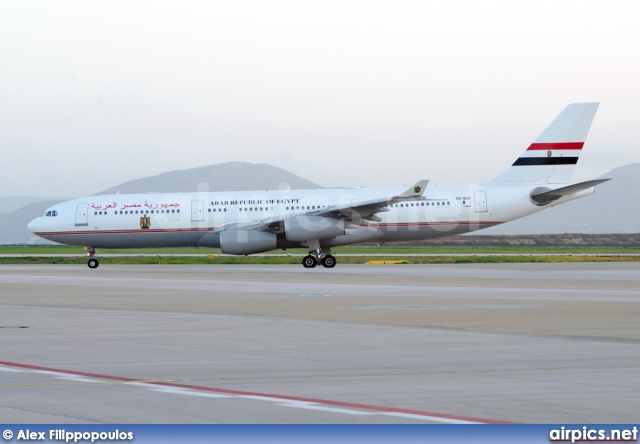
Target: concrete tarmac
[535, 343]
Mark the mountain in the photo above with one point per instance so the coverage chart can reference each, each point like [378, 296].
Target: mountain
[13, 225]
[612, 209]
[9, 204]
[240, 176]
[230, 176]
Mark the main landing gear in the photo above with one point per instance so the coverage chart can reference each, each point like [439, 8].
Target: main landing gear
[316, 257]
[92, 262]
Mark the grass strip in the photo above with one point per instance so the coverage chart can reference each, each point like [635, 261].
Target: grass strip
[296, 259]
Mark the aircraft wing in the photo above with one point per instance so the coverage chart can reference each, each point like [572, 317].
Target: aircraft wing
[365, 211]
[354, 212]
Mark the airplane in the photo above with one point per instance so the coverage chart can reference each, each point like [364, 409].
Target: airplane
[250, 222]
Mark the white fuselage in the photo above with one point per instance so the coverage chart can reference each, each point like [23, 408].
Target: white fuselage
[196, 219]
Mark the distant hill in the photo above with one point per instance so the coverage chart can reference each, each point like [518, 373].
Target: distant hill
[614, 208]
[9, 204]
[13, 225]
[230, 176]
[240, 176]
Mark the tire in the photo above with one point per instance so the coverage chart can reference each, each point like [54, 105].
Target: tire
[309, 261]
[93, 263]
[329, 261]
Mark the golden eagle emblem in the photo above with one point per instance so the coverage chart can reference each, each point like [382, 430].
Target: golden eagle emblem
[145, 222]
[417, 189]
[549, 153]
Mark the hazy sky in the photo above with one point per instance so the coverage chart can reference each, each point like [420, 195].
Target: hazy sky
[361, 93]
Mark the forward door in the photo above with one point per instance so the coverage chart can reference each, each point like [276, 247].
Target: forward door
[82, 213]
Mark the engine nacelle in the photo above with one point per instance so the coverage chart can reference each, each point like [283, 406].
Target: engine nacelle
[243, 242]
[303, 228]
[356, 236]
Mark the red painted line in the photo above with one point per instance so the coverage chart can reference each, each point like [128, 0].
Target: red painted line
[196, 230]
[140, 231]
[263, 395]
[556, 146]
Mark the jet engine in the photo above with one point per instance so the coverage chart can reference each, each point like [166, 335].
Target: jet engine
[303, 228]
[243, 242]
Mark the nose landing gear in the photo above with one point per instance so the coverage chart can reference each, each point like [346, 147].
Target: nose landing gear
[92, 262]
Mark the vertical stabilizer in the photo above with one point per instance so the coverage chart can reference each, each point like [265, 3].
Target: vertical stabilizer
[553, 156]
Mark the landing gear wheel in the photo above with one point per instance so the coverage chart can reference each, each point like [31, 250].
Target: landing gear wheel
[309, 261]
[329, 261]
[93, 263]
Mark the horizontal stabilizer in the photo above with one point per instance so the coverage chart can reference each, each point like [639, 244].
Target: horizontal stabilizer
[544, 196]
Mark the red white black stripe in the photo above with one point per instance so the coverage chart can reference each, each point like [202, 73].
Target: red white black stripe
[550, 153]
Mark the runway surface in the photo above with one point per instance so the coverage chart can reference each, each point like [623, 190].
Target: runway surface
[541, 343]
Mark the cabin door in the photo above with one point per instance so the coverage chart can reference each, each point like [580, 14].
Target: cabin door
[197, 211]
[481, 201]
[81, 214]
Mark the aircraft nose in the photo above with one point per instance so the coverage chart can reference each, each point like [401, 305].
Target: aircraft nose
[34, 224]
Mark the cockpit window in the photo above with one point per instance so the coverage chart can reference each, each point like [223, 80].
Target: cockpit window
[51, 213]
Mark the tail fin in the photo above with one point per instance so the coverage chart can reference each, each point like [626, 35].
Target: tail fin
[552, 157]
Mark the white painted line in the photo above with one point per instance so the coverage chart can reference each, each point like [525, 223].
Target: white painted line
[77, 378]
[428, 418]
[46, 372]
[294, 403]
[11, 370]
[264, 398]
[181, 391]
[310, 406]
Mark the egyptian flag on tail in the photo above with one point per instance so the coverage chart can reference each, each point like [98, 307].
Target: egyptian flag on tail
[552, 157]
